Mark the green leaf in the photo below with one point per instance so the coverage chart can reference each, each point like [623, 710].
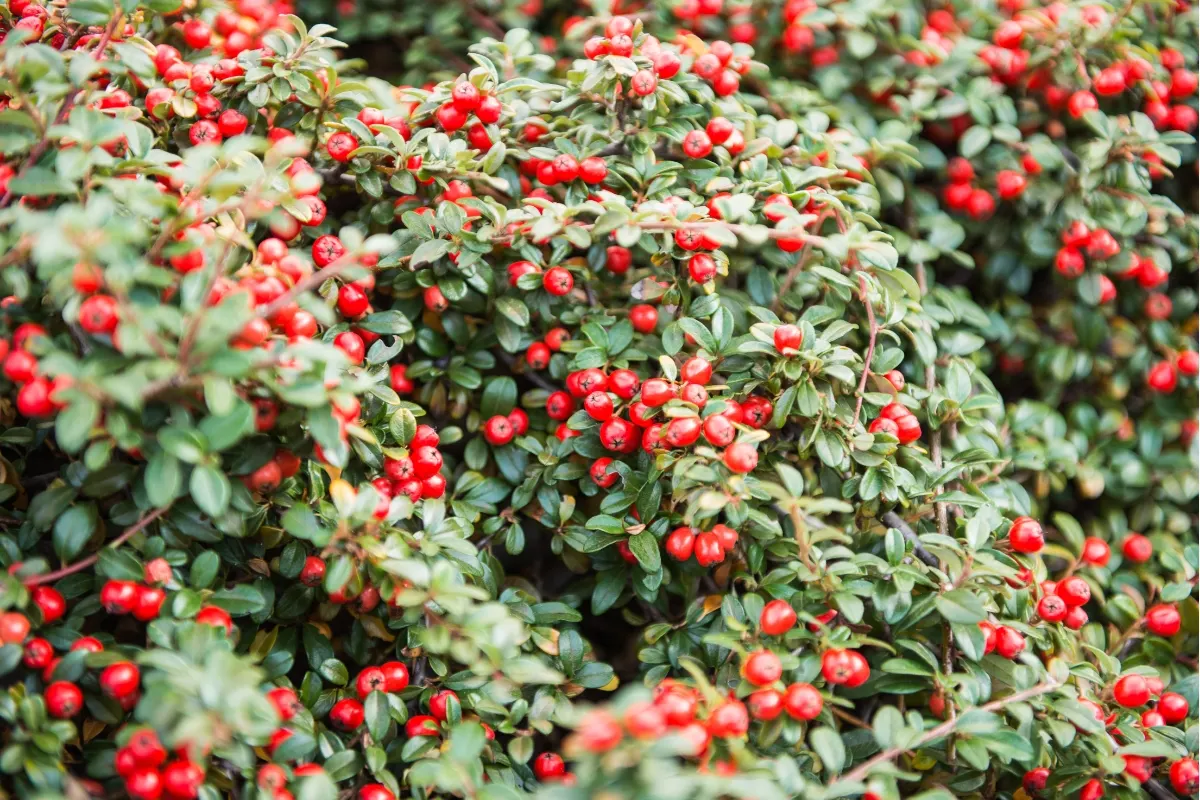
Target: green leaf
[829, 747]
[343, 766]
[645, 547]
[240, 600]
[514, 310]
[378, 715]
[73, 530]
[467, 741]
[973, 140]
[204, 569]
[39, 182]
[960, 605]
[210, 489]
[301, 522]
[73, 426]
[163, 478]
[499, 397]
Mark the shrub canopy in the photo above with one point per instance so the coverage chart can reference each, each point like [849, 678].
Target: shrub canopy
[694, 400]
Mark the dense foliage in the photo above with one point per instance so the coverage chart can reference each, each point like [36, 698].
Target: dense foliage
[801, 404]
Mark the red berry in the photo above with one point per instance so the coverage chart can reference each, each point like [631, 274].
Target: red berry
[144, 784]
[696, 144]
[1173, 708]
[1052, 608]
[762, 667]
[788, 339]
[618, 435]
[777, 618]
[1096, 552]
[1131, 691]
[803, 702]
[1025, 535]
[465, 96]
[1162, 377]
[598, 732]
[702, 268]
[1034, 780]
[498, 430]
[63, 699]
[1074, 591]
[1163, 619]
[599, 406]
[1009, 643]
[558, 281]
[680, 543]
[50, 602]
[1137, 548]
[1080, 103]
[340, 145]
[149, 602]
[728, 720]
[765, 704]
[1010, 184]
[548, 765]
[120, 680]
[347, 714]
[217, 617]
[959, 170]
[182, 779]
[600, 473]
[741, 457]
[370, 680]
[1185, 776]
[395, 676]
[644, 318]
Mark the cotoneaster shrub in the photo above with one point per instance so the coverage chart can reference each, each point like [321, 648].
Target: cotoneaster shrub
[835, 399]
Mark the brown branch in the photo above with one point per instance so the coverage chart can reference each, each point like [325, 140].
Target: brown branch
[874, 331]
[863, 770]
[893, 520]
[798, 267]
[537, 380]
[935, 438]
[189, 336]
[83, 564]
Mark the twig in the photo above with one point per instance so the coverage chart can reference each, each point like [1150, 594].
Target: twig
[536, 379]
[935, 438]
[848, 717]
[874, 331]
[798, 267]
[893, 520]
[863, 770]
[83, 564]
[1158, 791]
[185, 346]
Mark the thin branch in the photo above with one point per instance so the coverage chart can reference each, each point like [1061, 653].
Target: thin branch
[860, 772]
[893, 520]
[537, 380]
[798, 267]
[935, 438]
[874, 332]
[1158, 791]
[78, 566]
